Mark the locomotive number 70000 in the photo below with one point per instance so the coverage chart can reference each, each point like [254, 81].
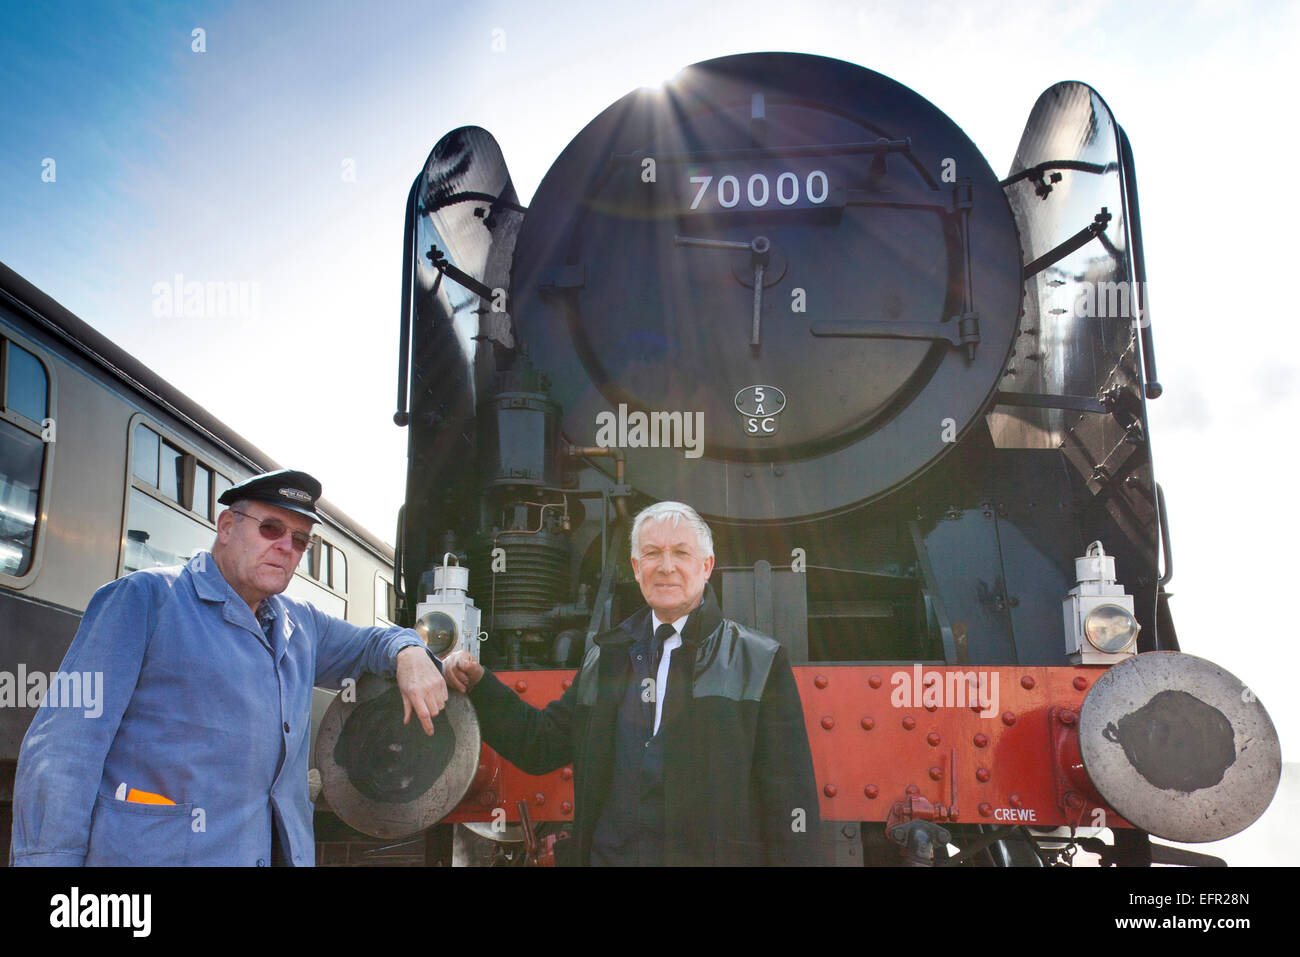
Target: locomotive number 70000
[759, 191]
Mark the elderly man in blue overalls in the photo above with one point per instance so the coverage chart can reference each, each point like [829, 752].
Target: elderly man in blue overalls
[199, 755]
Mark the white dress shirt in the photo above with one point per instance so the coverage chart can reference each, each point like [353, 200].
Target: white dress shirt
[661, 679]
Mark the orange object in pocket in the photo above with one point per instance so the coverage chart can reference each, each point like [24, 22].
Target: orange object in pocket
[140, 797]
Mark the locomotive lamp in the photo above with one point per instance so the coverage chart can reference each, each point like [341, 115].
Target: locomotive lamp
[447, 619]
[1099, 625]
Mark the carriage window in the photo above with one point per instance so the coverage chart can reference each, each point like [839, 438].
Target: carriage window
[333, 567]
[339, 570]
[162, 466]
[21, 458]
[333, 564]
[158, 535]
[24, 395]
[202, 485]
[171, 471]
[26, 385]
[144, 457]
[304, 563]
[164, 526]
[385, 601]
[220, 484]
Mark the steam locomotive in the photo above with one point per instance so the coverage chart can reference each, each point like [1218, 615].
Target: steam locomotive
[908, 396]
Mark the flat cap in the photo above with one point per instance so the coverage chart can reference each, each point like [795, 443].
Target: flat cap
[296, 491]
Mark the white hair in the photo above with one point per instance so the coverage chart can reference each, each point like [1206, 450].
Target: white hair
[673, 513]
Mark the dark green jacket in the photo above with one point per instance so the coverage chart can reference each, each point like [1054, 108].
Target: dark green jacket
[738, 777]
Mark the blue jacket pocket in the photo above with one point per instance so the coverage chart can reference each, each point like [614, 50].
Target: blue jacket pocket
[127, 834]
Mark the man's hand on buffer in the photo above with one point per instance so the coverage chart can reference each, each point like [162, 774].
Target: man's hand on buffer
[423, 689]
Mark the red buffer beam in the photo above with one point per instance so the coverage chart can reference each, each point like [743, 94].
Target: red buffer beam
[995, 745]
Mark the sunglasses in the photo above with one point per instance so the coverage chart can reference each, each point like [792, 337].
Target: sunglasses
[273, 530]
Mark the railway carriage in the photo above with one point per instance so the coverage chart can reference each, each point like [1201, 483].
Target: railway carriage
[105, 469]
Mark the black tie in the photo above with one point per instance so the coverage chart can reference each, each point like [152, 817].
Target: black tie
[662, 634]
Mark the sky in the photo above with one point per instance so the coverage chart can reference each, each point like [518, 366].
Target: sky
[275, 148]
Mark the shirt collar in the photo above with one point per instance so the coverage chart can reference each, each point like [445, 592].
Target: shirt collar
[678, 625]
[212, 586]
[208, 580]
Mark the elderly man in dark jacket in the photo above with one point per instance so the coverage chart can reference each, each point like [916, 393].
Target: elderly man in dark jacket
[685, 729]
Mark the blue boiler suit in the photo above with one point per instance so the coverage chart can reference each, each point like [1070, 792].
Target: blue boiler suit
[197, 706]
